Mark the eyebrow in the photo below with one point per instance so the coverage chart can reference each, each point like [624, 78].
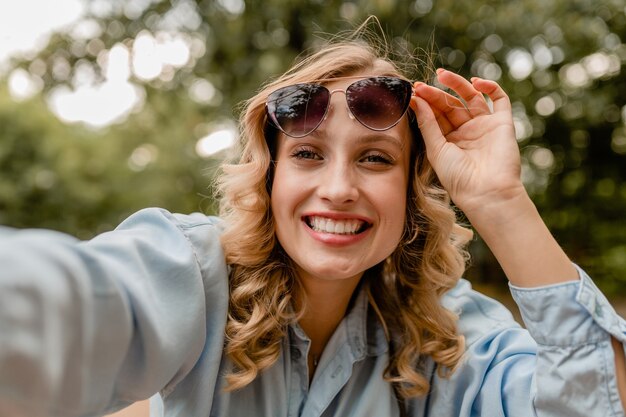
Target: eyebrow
[380, 137]
[368, 138]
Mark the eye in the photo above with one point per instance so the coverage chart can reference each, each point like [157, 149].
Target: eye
[306, 153]
[377, 158]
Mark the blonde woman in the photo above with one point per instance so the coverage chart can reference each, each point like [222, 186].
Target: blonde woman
[330, 285]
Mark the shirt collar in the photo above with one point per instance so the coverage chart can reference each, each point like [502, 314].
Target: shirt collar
[364, 330]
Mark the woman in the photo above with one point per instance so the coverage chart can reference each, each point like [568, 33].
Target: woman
[330, 286]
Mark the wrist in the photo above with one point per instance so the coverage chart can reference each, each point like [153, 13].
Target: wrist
[498, 210]
[515, 233]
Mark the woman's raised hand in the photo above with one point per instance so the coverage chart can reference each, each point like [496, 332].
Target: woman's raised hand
[471, 147]
[473, 150]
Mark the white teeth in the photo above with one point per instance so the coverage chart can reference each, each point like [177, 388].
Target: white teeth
[339, 227]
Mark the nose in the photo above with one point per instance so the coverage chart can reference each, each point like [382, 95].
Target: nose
[338, 184]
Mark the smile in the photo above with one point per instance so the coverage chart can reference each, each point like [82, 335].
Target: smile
[335, 226]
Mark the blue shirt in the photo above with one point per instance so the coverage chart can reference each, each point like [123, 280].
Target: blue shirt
[89, 327]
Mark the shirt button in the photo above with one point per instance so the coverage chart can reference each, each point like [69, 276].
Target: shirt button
[599, 313]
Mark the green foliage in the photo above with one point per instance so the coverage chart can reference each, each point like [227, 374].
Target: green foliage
[82, 181]
[569, 106]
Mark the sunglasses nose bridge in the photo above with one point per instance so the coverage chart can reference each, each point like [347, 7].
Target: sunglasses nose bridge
[345, 93]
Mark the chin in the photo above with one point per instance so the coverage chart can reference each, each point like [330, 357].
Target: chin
[333, 272]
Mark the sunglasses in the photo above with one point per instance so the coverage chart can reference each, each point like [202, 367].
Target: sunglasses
[378, 103]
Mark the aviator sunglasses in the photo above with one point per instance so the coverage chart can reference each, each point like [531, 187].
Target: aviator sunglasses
[378, 103]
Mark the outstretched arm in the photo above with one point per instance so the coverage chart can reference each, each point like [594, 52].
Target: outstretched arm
[87, 328]
[473, 150]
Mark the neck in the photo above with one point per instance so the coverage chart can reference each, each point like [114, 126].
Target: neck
[327, 303]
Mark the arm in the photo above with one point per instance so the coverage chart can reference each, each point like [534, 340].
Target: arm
[475, 155]
[89, 327]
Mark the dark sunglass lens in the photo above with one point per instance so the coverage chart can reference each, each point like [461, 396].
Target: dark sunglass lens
[379, 102]
[298, 109]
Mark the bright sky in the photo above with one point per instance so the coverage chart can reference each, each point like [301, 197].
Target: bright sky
[26, 24]
[25, 28]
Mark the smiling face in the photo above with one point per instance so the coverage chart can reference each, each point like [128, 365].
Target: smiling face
[339, 194]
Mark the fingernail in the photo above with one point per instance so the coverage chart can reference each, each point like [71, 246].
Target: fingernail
[474, 79]
[440, 70]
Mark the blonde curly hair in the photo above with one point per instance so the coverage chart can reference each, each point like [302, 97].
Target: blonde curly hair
[263, 285]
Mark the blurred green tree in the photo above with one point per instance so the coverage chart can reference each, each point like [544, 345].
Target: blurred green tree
[561, 62]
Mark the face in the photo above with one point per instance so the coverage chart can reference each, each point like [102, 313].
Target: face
[339, 194]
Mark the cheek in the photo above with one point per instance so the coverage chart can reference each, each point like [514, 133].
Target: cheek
[286, 190]
[391, 202]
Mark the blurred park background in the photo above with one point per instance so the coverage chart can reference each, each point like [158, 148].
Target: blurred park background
[109, 106]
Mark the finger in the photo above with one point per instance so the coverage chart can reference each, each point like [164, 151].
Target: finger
[474, 99]
[429, 126]
[501, 102]
[444, 124]
[443, 103]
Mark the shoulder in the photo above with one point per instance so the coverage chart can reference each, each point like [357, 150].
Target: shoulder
[158, 216]
[170, 233]
[479, 316]
[200, 230]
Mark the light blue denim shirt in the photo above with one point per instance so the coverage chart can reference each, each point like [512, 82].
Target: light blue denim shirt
[89, 327]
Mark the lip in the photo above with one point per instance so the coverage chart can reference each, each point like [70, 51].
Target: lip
[336, 239]
[338, 216]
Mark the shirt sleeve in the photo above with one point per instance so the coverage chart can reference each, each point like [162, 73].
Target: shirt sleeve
[561, 365]
[572, 324]
[89, 327]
